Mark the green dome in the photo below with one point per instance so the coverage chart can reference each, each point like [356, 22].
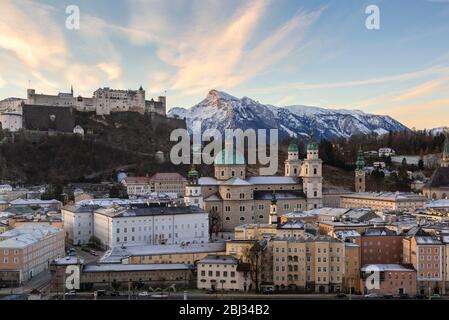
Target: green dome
[229, 157]
[293, 147]
[193, 173]
[312, 146]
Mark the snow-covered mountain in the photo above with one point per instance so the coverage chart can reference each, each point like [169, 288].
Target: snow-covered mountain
[220, 110]
[439, 130]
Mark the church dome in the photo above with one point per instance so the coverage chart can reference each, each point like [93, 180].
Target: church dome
[293, 147]
[229, 157]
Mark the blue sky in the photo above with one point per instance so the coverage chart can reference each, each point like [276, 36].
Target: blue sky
[281, 52]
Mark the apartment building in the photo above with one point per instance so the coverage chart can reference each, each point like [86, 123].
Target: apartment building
[315, 264]
[162, 182]
[381, 246]
[426, 252]
[393, 279]
[223, 272]
[383, 201]
[28, 250]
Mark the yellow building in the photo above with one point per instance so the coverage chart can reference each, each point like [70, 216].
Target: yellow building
[313, 264]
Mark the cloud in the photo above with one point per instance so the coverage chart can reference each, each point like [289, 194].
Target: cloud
[420, 90]
[113, 71]
[218, 45]
[2, 82]
[27, 31]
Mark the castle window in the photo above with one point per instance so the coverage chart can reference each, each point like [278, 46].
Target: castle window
[228, 195]
[294, 171]
[314, 171]
[233, 173]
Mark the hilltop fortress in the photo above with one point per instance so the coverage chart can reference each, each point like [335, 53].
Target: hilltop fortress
[104, 101]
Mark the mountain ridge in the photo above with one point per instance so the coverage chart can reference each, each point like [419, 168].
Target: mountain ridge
[220, 110]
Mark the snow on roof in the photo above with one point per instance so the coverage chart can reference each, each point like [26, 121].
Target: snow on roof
[207, 181]
[235, 182]
[297, 214]
[108, 202]
[272, 180]
[219, 259]
[213, 197]
[442, 203]
[427, 240]
[386, 267]
[27, 234]
[68, 260]
[387, 196]
[136, 267]
[343, 234]
[118, 253]
[335, 212]
[30, 202]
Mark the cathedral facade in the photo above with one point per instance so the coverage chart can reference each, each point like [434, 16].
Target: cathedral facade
[232, 199]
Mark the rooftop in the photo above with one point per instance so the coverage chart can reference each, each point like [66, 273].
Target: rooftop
[387, 267]
[122, 212]
[219, 259]
[387, 196]
[136, 267]
[27, 235]
[118, 253]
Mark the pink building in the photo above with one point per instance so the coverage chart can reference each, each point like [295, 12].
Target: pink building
[28, 250]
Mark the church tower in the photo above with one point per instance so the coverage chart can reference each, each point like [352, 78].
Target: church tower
[445, 158]
[273, 210]
[292, 164]
[360, 175]
[312, 175]
[193, 196]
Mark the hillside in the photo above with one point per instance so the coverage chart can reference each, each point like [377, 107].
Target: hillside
[111, 142]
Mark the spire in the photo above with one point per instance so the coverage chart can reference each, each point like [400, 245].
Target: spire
[312, 145]
[293, 146]
[445, 157]
[71, 89]
[360, 163]
[273, 198]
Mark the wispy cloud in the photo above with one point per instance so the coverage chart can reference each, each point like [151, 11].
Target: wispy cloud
[222, 53]
[421, 90]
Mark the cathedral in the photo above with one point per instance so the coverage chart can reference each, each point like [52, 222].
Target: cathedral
[438, 186]
[232, 199]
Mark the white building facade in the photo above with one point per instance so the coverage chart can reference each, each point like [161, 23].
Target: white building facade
[151, 225]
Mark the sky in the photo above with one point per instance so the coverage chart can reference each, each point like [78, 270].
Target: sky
[280, 52]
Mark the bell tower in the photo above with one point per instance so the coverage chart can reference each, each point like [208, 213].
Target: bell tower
[445, 158]
[312, 175]
[273, 210]
[292, 165]
[360, 175]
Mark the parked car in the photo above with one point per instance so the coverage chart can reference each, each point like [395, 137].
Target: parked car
[404, 296]
[100, 293]
[371, 296]
[341, 295]
[420, 296]
[93, 252]
[115, 294]
[267, 290]
[143, 294]
[71, 293]
[435, 296]
[388, 296]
